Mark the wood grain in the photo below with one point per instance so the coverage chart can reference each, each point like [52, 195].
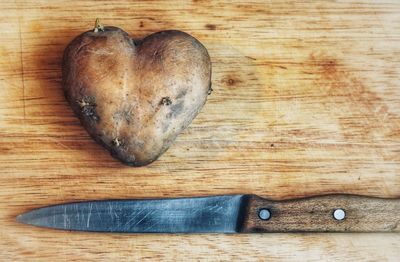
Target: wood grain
[306, 101]
[316, 214]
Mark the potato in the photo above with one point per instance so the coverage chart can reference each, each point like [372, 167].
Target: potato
[135, 97]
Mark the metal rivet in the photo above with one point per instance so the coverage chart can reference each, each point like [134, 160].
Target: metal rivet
[339, 214]
[264, 214]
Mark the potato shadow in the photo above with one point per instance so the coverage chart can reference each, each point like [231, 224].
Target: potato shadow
[67, 141]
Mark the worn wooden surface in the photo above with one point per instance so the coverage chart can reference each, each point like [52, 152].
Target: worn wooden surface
[306, 101]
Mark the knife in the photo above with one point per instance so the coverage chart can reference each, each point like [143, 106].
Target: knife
[223, 214]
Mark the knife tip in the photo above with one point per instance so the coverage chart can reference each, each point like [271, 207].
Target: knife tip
[20, 219]
[25, 218]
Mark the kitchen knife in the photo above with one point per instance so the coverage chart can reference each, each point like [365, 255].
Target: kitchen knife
[223, 214]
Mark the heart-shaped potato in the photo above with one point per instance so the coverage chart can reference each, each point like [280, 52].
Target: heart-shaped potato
[135, 97]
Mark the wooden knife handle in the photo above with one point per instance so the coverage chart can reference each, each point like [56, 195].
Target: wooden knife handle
[330, 213]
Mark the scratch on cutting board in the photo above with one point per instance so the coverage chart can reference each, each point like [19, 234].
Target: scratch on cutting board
[22, 66]
[57, 142]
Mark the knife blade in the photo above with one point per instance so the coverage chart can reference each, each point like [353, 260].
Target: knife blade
[222, 214]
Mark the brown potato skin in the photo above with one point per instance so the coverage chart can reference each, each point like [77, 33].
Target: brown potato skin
[135, 97]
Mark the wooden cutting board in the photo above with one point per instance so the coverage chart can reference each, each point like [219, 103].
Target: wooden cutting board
[306, 101]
